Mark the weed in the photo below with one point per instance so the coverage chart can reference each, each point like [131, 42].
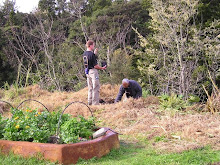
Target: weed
[160, 138]
[172, 102]
[145, 93]
[193, 99]
[13, 91]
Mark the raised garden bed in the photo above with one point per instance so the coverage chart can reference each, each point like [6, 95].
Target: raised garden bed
[63, 153]
[31, 133]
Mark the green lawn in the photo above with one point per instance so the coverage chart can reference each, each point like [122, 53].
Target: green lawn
[12, 159]
[129, 154]
[132, 154]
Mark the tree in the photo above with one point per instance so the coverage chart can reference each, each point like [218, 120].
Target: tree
[211, 49]
[48, 6]
[208, 11]
[7, 73]
[94, 5]
[77, 9]
[111, 27]
[8, 18]
[174, 55]
[121, 67]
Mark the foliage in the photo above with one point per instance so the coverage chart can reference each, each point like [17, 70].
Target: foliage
[179, 43]
[77, 128]
[121, 67]
[172, 102]
[208, 11]
[7, 72]
[2, 125]
[193, 99]
[31, 125]
[54, 118]
[28, 126]
[145, 92]
[94, 5]
[68, 69]
[177, 55]
[48, 6]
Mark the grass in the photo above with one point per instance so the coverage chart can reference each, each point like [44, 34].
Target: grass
[130, 154]
[123, 117]
[18, 160]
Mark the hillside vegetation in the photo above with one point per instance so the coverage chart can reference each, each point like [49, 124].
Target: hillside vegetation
[171, 48]
[142, 120]
[167, 46]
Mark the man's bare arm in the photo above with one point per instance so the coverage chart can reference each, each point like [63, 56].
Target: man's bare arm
[99, 67]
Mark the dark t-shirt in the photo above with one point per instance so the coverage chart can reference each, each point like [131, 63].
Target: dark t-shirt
[92, 60]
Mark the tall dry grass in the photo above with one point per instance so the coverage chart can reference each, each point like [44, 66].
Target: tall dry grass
[213, 102]
[187, 131]
[134, 117]
[59, 100]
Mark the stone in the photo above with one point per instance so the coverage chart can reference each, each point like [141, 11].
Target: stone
[100, 132]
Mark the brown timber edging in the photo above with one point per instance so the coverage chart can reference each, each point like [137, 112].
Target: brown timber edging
[63, 153]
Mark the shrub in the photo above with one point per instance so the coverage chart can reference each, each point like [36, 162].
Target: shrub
[145, 93]
[193, 99]
[172, 102]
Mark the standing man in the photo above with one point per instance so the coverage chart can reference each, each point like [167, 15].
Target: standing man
[131, 88]
[91, 70]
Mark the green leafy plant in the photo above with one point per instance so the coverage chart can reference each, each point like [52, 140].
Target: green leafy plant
[160, 138]
[172, 102]
[2, 125]
[77, 129]
[145, 92]
[53, 120]
[31, 125]
[193, 99]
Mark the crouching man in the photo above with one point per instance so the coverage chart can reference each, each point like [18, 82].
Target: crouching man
[131, 88]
